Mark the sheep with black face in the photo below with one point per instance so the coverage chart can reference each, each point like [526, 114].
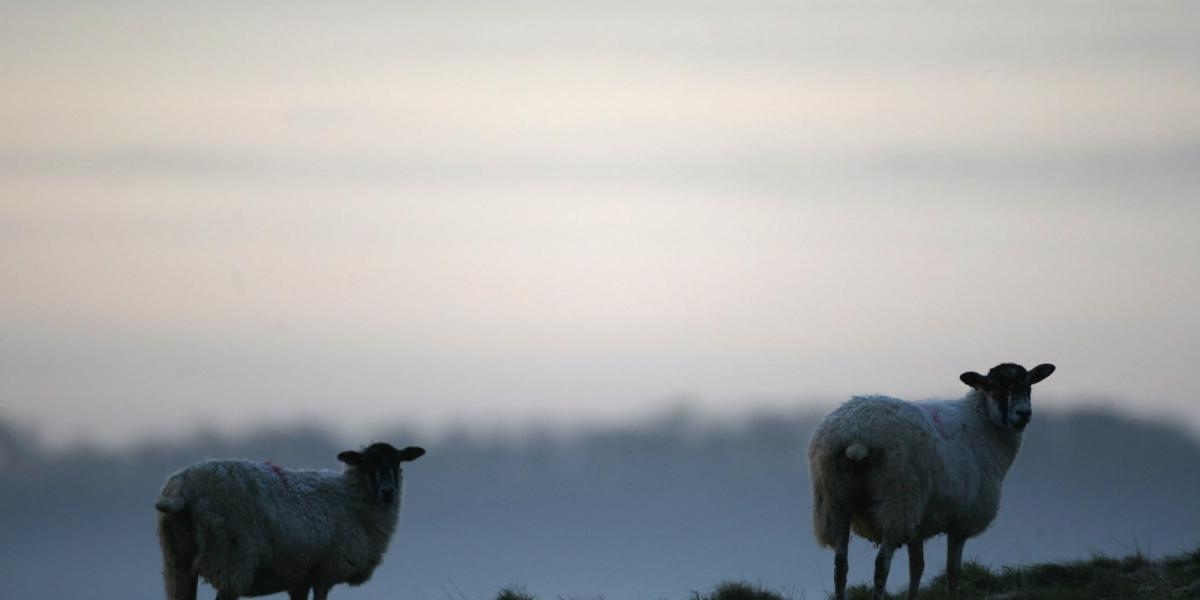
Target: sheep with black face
[253, 528]
[898, 473]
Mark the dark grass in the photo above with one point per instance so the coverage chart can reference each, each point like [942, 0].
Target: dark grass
[1174, 577]
[513, 593]
[737, 590]
[1099, 578]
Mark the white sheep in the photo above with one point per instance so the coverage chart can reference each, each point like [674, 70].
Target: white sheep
[253, 528]
[898, 473]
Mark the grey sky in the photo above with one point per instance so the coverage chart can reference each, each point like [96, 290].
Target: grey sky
[230, 215]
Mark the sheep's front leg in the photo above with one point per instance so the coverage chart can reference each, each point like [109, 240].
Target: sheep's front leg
[916, 566]
[954, 550]
[320, 592]
[883, 564]
[300, 593]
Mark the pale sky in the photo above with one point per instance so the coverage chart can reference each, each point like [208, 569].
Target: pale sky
[362, 214]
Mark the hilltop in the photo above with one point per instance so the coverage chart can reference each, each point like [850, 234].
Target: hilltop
[1174, 577]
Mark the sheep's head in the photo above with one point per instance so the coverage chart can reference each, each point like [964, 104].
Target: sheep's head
[1006, 388]
[379, 467]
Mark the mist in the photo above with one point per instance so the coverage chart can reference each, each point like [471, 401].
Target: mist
[653, 510]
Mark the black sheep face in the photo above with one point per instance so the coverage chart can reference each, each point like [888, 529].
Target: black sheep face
[379, 467]
[1007, 388]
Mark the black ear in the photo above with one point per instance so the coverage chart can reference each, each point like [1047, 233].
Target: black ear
[352, 458]
[974, 380]
[411, 453]
[1040, 372]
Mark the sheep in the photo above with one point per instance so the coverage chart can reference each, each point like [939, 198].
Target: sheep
[898, 473]
[253, 528]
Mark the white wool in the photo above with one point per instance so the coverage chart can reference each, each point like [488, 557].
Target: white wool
[932, 468]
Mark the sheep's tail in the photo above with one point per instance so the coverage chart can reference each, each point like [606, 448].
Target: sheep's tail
[170, 504]
[857, 451]
[172, 499]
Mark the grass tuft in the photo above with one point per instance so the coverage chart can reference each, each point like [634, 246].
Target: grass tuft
[513, 592]
[738, 590]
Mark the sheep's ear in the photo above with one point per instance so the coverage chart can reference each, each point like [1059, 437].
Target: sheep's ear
[411, 453]
[352, 458]
[974, 380]
[1040, 372]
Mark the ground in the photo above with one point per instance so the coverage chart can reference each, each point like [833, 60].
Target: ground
[1174, 577]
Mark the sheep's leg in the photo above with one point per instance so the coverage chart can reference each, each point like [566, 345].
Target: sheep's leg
[883, 564]
[841, 565]
[320, 592]
[954, 550]
[224, 596]
[916, 566]
[300, 593]
[193, 584]
[178, 543]
[181, 584]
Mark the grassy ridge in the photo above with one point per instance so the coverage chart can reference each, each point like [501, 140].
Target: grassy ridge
[1101, 578]
[1174, 578]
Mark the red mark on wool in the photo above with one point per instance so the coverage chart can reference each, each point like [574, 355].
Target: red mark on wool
[278, 471]
[937, 420]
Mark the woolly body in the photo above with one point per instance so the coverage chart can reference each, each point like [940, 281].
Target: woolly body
[922, 469]
[897, 473]
[251, 528]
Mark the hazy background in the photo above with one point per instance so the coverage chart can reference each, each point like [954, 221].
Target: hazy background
[500, 219]
[644, 511]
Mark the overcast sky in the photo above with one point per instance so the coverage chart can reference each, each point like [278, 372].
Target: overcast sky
[228, 214]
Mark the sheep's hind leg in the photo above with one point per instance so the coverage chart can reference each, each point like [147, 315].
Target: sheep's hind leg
[841, 565]
[320, 592]
[181, 585]
[916, 567]
[883, 564]
[954, 550]
[300, 593]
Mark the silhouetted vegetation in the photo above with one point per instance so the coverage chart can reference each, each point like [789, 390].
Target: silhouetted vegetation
[1100, 578]
[1175, 577]
[513, 593]
[739, 590]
